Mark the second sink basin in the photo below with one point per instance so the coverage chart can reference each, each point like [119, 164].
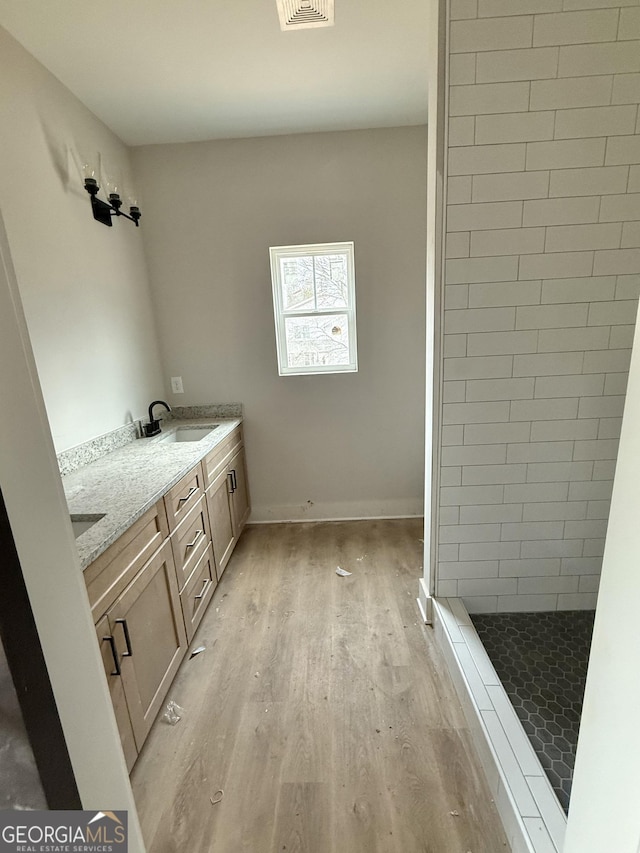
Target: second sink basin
[188, 434]
[82, 523]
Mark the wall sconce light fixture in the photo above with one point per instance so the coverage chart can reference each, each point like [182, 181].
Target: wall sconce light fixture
[104, 211]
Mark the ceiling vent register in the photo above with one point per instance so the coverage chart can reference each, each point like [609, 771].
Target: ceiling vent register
[304, 14]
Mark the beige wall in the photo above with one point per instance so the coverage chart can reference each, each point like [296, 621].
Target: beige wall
[84, 286]
[318, 446]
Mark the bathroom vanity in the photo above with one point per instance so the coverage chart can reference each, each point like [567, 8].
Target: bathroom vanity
[168, 512]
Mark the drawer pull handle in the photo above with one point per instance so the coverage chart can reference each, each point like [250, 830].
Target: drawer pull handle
[190, 494]
[205, 587]
[235, 479]
[127, 637]
[199, 533]
[230, 480]
[114, 652]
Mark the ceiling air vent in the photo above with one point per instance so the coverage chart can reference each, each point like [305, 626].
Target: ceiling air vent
[304, 14]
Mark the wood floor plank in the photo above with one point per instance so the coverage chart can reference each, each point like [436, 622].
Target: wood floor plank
[321, 706]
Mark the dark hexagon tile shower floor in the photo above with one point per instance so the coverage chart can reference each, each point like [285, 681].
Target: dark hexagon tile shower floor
[542, 659]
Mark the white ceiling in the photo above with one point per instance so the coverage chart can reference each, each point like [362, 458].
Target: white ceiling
[184, 70]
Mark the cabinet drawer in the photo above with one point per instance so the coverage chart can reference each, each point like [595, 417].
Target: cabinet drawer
[196, 595]
[189, 540]
[220, 455]
[107, 576]
[183, 496]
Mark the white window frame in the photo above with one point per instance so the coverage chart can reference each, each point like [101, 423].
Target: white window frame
[277, 253]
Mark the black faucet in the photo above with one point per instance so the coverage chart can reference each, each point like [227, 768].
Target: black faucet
[153, 427]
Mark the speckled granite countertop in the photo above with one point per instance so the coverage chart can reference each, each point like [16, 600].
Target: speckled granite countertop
[124, 484]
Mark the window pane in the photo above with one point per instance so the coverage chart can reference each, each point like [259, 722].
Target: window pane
[314, 308]
[317, 340]
[331, 281]
[296, 275]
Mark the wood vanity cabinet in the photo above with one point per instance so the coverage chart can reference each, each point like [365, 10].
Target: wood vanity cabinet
[149, 590]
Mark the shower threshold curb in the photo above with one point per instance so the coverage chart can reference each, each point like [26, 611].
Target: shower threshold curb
[529, 809]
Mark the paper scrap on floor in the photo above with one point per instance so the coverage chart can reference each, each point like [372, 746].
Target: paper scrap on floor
[173, 713]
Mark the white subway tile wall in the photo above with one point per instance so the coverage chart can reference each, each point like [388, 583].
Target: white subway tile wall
[542, 283]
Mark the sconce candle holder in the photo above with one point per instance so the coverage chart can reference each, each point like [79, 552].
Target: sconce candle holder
[105, 211]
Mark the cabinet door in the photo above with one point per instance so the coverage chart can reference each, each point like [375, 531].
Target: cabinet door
[147, 625]
[116, 689]
[220, 519]
[240, 496]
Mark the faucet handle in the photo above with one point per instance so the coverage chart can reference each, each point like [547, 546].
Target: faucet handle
[152, 428]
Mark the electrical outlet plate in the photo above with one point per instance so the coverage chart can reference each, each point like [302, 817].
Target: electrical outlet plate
[176, 385]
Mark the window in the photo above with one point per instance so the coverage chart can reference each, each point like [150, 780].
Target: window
[314, 302]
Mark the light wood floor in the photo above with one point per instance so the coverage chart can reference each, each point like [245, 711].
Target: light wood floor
[322, 707]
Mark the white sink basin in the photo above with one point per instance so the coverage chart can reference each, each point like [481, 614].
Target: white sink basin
[81, 523]
[187, 434]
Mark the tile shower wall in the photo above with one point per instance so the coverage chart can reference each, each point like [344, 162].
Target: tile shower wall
[542, 279]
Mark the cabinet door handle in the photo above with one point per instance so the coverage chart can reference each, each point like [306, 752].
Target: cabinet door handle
[230, 478]
[235, 479]
[114, 652]
[127, 637]
[199, 533]
[190, 493]
[205, 587]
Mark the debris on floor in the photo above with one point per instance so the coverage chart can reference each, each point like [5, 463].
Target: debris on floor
[217, 797]
[173, 713]
[455, 813]
[197, 651]
[342, 572]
